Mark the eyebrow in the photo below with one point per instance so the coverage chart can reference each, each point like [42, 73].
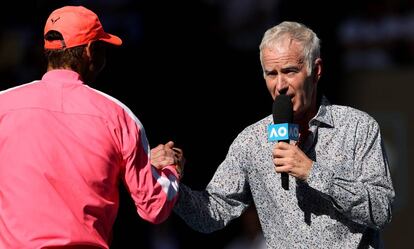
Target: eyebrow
[288, 68]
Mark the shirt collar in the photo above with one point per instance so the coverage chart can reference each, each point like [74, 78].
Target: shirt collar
[324, 116]
[62, 76]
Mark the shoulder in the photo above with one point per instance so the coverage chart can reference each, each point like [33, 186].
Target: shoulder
[19, 89]
[108, 101]
[255, 133]
[13, 97]
[257, 128]
[113, 108]
[342, 114]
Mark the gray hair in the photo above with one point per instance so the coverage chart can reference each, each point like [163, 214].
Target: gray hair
[298, 32]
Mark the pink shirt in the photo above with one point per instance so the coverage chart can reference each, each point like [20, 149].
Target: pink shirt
[64, 148]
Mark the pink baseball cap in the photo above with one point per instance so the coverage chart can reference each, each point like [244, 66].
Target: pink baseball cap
[78, 26]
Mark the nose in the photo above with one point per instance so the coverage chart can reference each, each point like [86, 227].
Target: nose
[281, 86]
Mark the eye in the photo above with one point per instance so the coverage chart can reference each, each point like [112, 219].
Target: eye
[290, 71]
[271, 74]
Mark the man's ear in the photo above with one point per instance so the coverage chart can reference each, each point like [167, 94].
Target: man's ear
[317, 70]
[88, 51]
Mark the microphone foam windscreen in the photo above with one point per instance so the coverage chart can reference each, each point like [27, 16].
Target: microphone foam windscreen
[282, 109]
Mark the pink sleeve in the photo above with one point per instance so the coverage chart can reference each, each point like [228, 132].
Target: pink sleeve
[153, 191]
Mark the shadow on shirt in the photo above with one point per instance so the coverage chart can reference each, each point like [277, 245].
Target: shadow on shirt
[311, 201]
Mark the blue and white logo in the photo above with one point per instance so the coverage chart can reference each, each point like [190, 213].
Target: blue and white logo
[284, 131]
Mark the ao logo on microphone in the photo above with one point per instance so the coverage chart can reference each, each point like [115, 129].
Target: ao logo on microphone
[284, 131]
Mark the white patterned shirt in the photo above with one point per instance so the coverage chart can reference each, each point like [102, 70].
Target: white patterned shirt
[344, 202]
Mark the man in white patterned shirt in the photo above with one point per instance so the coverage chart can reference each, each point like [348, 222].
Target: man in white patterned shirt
[340, 192]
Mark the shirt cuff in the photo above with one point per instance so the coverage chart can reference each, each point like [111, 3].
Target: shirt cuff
[320, 178]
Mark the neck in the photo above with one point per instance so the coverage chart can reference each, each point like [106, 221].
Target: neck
[304, 121]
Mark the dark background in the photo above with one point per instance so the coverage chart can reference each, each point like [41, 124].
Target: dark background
[190, 71]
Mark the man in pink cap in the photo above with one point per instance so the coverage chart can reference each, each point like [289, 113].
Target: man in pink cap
[64, 148]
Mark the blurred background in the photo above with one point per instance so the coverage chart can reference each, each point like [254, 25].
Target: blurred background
[190, 71]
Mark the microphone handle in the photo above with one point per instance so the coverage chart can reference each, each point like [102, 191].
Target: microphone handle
[285, 180]
[285, 176]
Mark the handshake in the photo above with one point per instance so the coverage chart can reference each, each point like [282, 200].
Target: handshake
[166, 154]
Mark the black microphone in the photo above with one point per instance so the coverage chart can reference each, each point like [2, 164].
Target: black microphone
[283, 113]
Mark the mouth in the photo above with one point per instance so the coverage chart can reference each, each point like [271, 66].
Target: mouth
[290, 97]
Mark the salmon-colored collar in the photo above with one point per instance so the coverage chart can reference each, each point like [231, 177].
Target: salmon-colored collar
[62, 75]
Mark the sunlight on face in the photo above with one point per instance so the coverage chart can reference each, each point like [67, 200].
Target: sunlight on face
[285, 72]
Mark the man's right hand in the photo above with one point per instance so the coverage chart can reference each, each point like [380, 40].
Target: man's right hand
[165, 155]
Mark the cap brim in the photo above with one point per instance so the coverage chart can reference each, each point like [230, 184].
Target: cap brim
[111, 39]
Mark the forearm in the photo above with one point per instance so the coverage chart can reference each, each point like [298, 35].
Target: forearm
[154, 192]
[365, 200]
[205, 212]
[225, 198]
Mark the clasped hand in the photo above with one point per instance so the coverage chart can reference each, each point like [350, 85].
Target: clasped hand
[165, 155]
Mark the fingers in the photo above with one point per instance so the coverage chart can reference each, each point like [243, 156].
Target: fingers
[292, 160]
[283, 164]
[178, 153]
[283, 146]
[179, 161]
[160, 164]
[283, 169]
[163, 150]
[157, 151]
[283, 157]
[161, 159]
[165, 155]
[282, 150]
[170, 144]
[162, 155]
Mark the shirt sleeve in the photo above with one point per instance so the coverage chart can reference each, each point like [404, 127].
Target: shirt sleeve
[226, 196]
[361, 188]
[154, 191]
